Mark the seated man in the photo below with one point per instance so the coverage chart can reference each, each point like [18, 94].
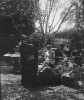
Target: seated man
[49, 57]
[67, 50]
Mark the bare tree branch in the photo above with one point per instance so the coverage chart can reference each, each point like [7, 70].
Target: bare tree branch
[54, 15]
[63, 18]
[52, 6]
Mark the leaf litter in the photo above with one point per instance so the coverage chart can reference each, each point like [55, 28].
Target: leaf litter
[11, 89]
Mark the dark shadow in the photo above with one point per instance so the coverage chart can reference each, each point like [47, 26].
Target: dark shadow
[39, 88]
[72, 83]
[42, 87]
[6, 70]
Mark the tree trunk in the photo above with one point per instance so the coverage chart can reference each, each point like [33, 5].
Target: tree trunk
[46, 39]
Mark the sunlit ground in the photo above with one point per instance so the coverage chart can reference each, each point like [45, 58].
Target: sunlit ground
[12, 89]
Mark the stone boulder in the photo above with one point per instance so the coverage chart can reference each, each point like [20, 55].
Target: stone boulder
[68, 80]
[49, 76]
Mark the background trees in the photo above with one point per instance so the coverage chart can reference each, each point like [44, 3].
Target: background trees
[21, 18]
[16, 21]
[78, 14]
[52, 15]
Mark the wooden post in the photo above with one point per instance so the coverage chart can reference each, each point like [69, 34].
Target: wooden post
[23, 62]
[36, 57]
[29, 64]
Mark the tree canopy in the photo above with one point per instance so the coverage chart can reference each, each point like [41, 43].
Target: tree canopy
[19, 14]
[16, 20]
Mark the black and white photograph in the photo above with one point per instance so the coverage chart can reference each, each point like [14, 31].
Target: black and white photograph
[41, 49]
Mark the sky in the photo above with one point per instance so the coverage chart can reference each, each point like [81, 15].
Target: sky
[65, 4]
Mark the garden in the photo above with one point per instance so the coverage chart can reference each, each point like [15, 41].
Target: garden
[27, 21]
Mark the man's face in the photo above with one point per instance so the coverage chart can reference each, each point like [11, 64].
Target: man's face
[48, 48]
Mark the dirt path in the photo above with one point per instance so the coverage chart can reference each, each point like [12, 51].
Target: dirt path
[12, 89]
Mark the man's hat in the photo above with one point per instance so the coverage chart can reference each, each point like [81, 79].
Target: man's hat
[48, 46]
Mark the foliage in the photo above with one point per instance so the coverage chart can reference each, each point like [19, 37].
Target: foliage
[16, 20]
[19, 13]
[77, 39]
[37, 36]
[78, 14]
[75, 36]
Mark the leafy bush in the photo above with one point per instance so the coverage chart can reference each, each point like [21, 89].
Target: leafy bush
[77, 39]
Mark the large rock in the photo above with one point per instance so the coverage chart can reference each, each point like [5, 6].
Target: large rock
[49, 76]
[68, 80]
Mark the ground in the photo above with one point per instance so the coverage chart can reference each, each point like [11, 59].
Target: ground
[11, 89]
